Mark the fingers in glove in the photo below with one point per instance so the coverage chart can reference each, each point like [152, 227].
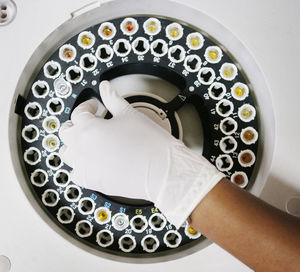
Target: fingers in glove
[85, 111]
[65, 132]
[66, 155]
[77, 178]
[115, 103]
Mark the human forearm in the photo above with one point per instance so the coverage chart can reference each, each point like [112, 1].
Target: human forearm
[261, 236]
[164, 171]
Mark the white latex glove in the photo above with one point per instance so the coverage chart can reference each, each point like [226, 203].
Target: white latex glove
[131, 156]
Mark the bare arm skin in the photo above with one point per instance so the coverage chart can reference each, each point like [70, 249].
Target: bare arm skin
[261, 236]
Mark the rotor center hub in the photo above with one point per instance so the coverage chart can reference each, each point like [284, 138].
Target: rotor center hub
[155, 114]
[154, 107]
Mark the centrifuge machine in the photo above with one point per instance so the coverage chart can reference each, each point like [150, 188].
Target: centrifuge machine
[208, 73]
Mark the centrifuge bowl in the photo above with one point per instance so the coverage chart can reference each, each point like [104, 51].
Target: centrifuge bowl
[167, 9]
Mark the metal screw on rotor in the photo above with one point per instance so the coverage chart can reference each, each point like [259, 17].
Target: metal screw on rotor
[8, 11]
[162, 114]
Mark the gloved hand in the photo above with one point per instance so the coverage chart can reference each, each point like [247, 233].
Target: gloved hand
[131, 156]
